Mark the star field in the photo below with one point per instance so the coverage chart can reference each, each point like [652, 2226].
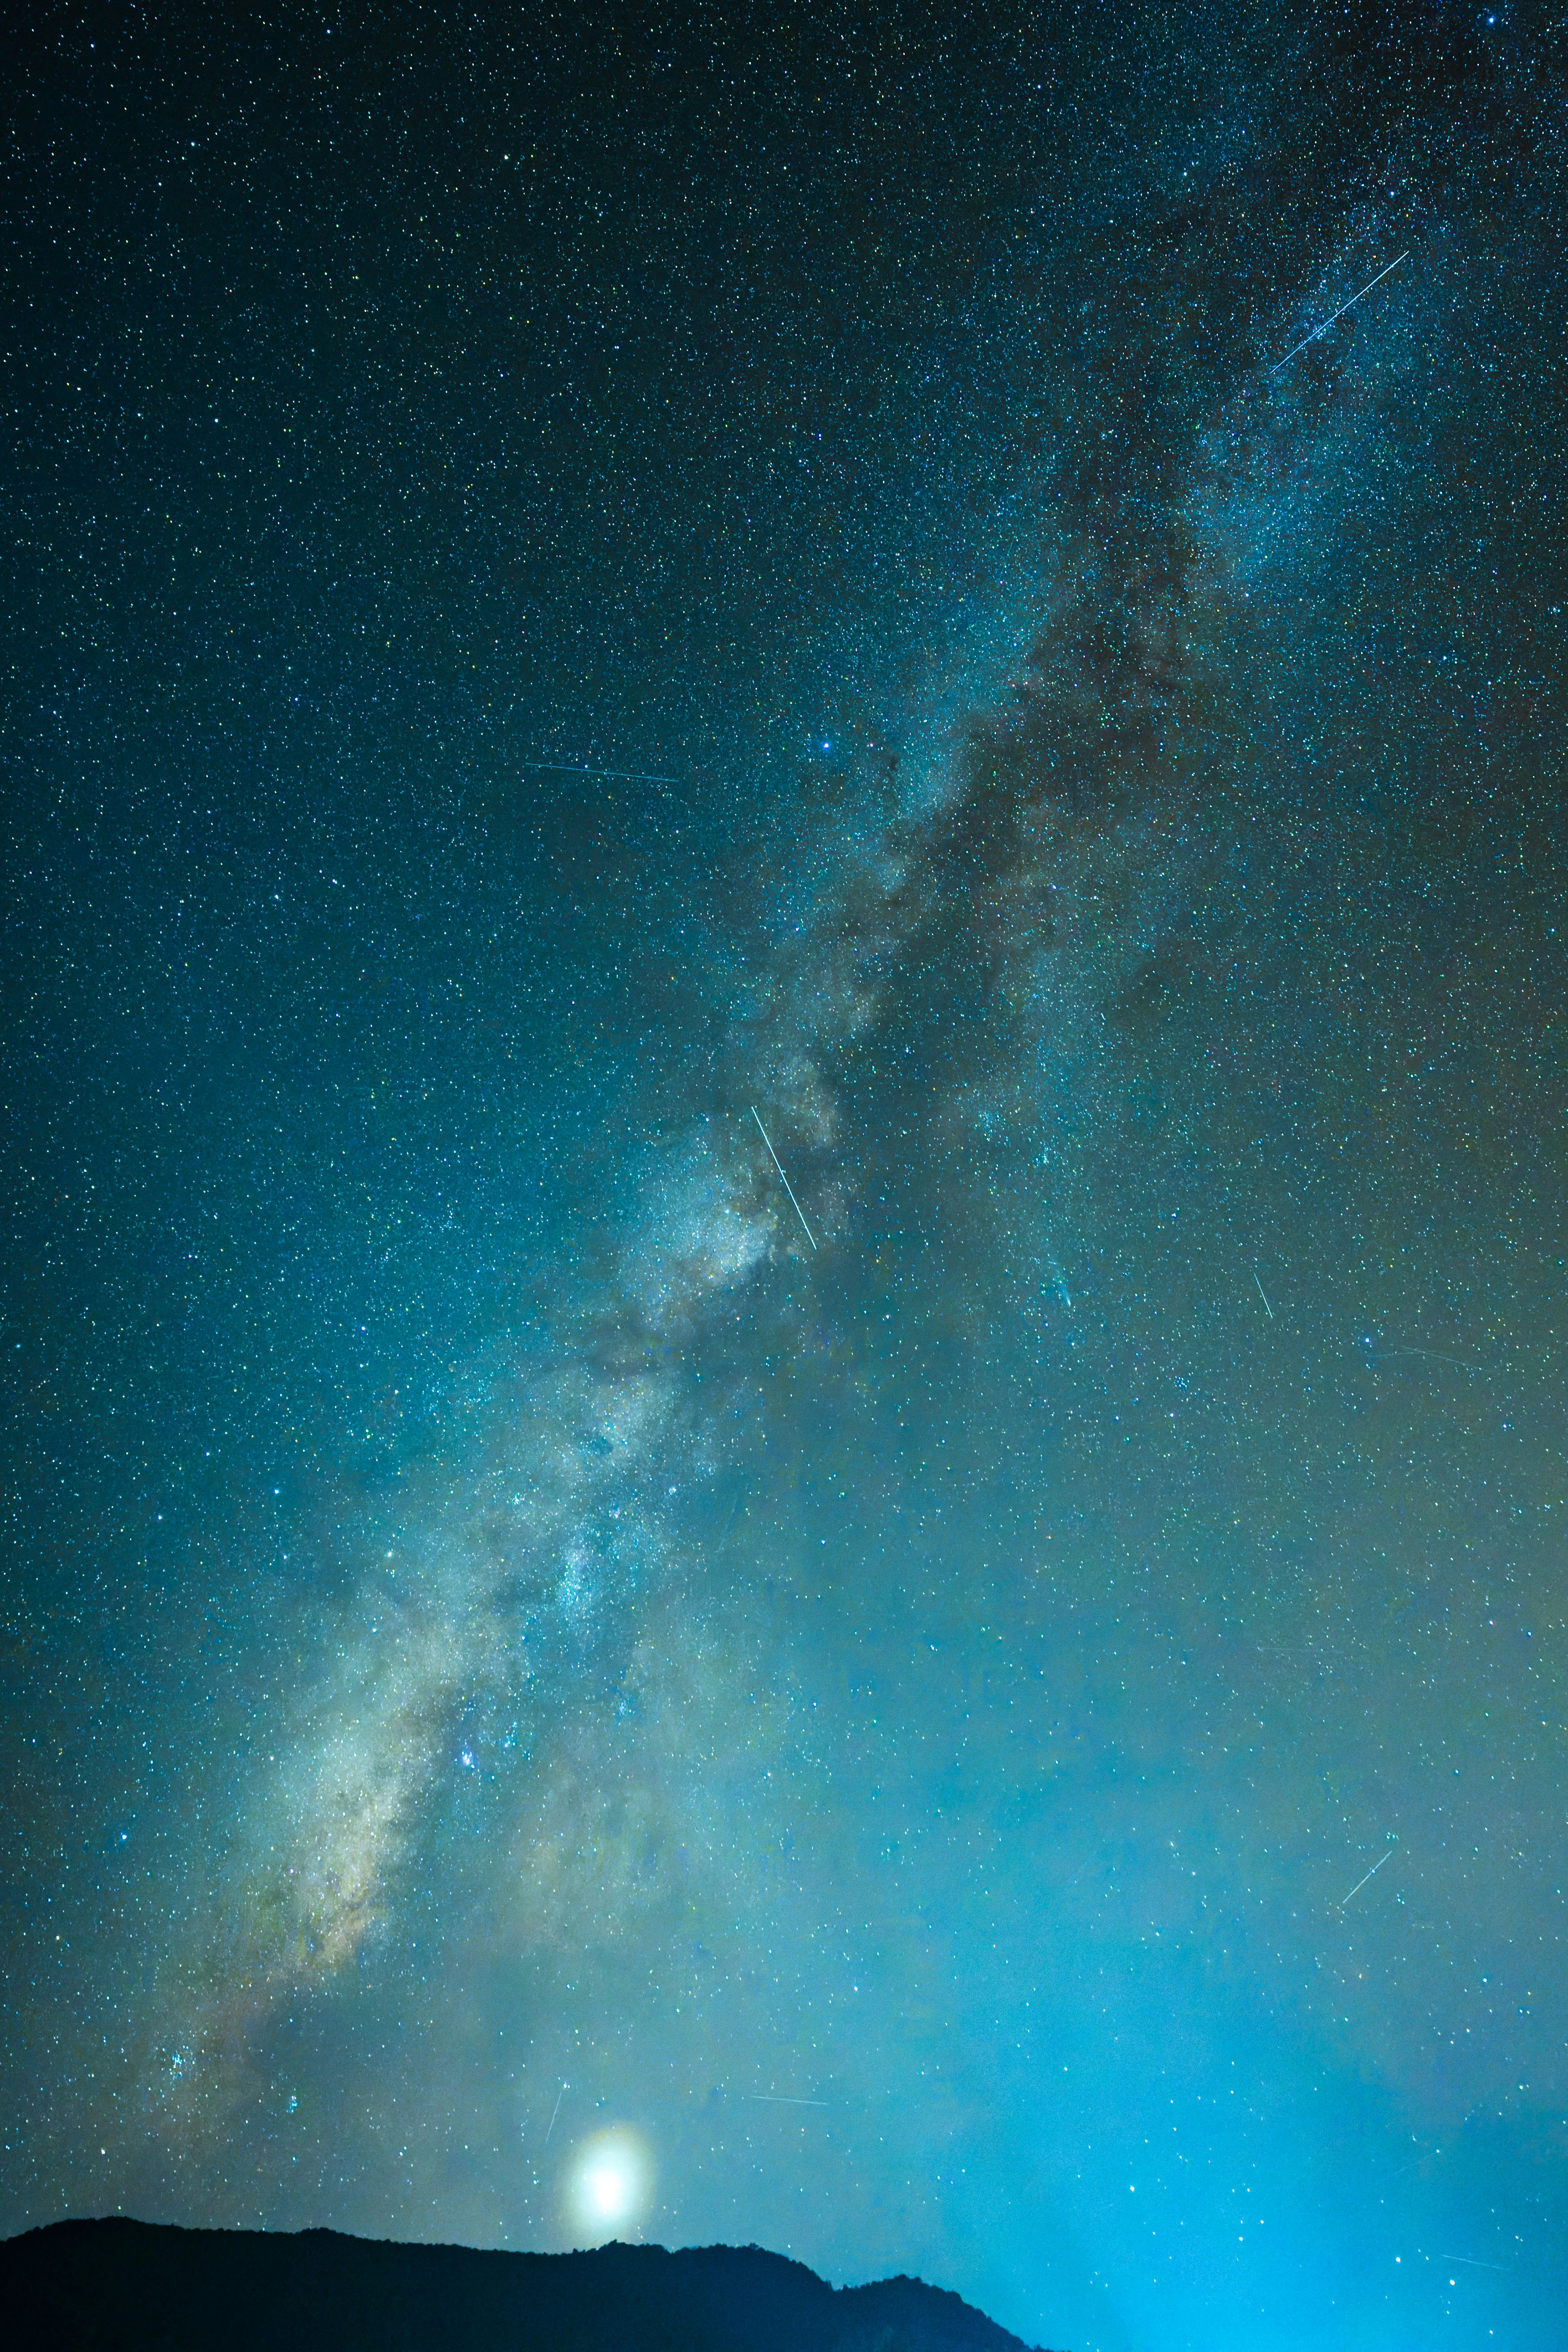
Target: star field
[583, 585]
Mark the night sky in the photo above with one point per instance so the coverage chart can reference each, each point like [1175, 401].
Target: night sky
[580, 586]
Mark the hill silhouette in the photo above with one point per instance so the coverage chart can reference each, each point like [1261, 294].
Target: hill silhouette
[135, 2286]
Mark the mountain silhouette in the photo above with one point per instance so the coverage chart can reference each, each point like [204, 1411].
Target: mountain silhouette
[135, 2286]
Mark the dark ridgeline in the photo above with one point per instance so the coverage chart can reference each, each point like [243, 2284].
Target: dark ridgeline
[133, 2286]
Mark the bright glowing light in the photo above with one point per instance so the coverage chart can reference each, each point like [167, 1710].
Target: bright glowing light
[608, 2183]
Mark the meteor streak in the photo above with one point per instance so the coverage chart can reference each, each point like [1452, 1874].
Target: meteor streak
[581, 768]
[784, 1180]
[1361, 1881]
[1340, 313]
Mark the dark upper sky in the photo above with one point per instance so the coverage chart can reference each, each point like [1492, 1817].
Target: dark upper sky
[581, 587]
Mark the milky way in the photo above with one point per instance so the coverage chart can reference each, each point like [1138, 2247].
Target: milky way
[982, 1695]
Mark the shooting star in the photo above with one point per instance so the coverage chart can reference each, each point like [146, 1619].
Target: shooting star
[1340, 313]
[1376, 1866]
[735, 1509]
[550, 2126]
[782, 2099]
[784, 1180]
[1474, 2263]
[1436, 1356]
[581, 768]
[1263, 1293]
